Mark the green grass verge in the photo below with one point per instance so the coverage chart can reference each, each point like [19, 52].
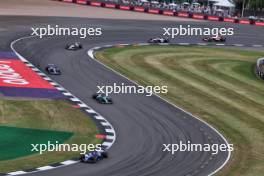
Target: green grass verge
[16, 142]
[215, 84]
[35, 121]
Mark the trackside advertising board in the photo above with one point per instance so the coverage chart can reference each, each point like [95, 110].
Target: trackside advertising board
[14, 73]
[17, 79]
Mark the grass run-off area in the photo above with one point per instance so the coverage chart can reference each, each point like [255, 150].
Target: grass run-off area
[215, 84]
[26, 122]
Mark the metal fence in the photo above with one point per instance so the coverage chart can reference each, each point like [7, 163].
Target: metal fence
[152, 10]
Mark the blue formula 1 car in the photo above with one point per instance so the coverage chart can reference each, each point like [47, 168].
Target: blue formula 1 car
[93, 157]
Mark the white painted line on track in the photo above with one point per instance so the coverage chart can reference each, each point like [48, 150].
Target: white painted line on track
[35, 69]
[75, 99]
[47, 78]
[239, 45]
[53, 83]
[107, 46]
[41, 74]
[257, 45]
[98, 117]
[183, 43]
[45, 168]
[90, 53]
[60, 88]
[164, 44]
[96, 48]
[143, 44]
[123, 44]
[105, 123]
[202, 44]
[67, 93]
[109, 130]
[109, 137]
[108, 144]
[17, 173]
[69, 162]
[82, 105]
[90, 111]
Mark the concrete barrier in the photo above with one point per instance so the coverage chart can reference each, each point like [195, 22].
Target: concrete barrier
[213, 18]
[198, 16]
[154, 11]
[97, 4]
[81, 2]
[168, 12]
[67, 1]
[112, 6]
[182, 14]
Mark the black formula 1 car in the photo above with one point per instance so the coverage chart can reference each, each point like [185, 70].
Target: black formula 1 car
[214, 39]
[159, 40]
[52, 69]
[93, 157]
[75, 46]
[102, 98]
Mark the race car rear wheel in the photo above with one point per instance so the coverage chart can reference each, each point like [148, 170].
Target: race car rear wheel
[94, 96]
[105, 155]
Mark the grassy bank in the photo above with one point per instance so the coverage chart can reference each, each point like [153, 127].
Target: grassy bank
[37, 121]
[217, 85]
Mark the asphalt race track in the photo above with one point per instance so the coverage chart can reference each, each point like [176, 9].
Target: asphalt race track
[142, 123]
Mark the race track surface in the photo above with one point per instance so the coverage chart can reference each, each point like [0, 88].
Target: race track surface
[142, 123]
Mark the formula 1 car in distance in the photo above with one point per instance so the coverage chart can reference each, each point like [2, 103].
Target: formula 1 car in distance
[214, 39]
[74, 46]
[159, 40]
[102, 98]
[52, 69]
[93, 157]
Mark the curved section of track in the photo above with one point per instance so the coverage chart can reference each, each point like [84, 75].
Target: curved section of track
[142, 123]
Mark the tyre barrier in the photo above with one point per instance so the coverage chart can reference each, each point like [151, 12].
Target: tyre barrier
[182, 14]
[260, 68]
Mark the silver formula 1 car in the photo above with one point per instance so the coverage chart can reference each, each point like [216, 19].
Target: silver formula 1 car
[74, 46]
[214, 39]
[158, 40]
[52, 69]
